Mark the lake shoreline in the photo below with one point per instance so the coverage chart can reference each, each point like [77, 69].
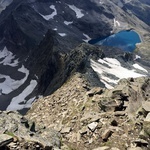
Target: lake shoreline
[125, 40]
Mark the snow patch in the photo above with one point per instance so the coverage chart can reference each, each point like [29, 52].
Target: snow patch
[139, 67]
[116, 23]
[137, 57]
[87, 38]
[78, 11]
[10, 84]
[62, 34]
[8, 57]
[68, 22]
[14, 105]
[51, 16]
[55, 29]
[29, 102]
[114, 68]
[101, 2]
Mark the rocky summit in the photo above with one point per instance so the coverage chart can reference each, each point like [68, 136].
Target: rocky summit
[59, 90]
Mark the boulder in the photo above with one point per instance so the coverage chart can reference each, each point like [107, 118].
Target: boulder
[83, 130]
[140, 142]
[94, 91]
[65, 130]
[5, 140]
[109, 104]
[107, 133]
[146, 105]
[147, 119]
[92, 126]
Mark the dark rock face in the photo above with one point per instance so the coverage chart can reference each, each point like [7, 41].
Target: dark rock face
[58, 65]
[18, 30]
[26, 31]
[139, 9]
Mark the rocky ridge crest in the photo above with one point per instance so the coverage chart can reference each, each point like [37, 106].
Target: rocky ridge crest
[93, 117]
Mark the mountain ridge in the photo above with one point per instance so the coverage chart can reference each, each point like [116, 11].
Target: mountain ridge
[84, 96]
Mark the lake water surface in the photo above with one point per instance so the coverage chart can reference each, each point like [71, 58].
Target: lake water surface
[125, 40]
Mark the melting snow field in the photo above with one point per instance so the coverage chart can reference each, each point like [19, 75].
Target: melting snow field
[8, 84]
[78, 11]
[113, 67]
[14, 105]
[8, 58]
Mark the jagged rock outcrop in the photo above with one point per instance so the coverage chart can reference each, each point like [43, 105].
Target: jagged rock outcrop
[17, 132]
[57, 64]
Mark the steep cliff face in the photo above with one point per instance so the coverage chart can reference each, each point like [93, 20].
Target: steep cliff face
[58, 64]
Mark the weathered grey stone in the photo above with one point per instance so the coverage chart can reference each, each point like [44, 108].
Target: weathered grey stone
[92, 126]
[96, 90]
[83, 130]
[140, 142]
[146, 105]
[65, 130]
[5, 139]
[147, 118]
[119, 113]
[146, 129]
[107, 133]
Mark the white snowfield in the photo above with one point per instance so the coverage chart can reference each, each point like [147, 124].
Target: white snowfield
[14, 105]
[51, 16]
[7, 84]
[10, 84]
[78, 11]
[114, 68]
[8, 58]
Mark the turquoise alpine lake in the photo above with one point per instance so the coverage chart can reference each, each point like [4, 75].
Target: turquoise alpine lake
[125, 40]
